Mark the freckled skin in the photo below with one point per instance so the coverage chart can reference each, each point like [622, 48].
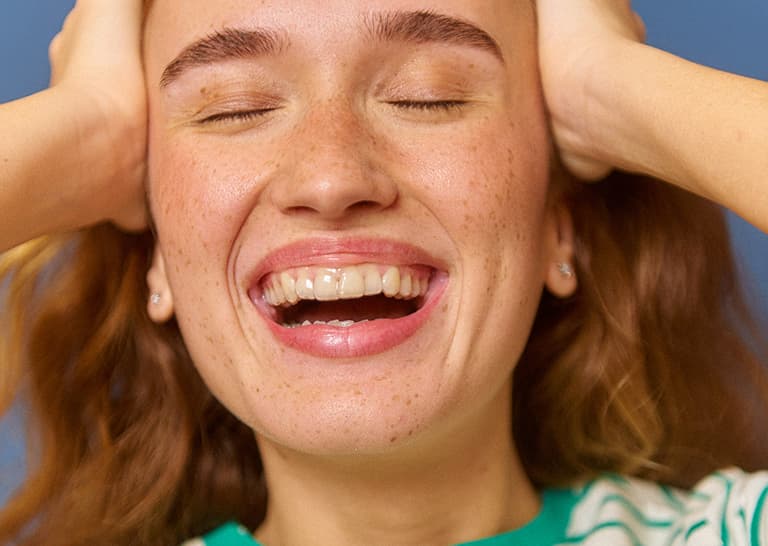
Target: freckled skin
[338, 160]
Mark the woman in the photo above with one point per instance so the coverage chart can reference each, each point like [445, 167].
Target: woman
[354, 217]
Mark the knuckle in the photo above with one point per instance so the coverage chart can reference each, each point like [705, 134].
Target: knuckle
[54, 46]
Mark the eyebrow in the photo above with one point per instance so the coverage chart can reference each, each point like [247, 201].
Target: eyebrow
[426, 26]
[418, 27]
[224, 45]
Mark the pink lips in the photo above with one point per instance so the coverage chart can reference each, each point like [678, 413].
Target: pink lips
[361, 339]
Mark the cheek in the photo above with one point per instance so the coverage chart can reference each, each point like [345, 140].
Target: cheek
[200, 200]
[491, 195]
[490, 185]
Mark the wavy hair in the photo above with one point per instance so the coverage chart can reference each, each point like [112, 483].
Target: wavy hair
[647, 370]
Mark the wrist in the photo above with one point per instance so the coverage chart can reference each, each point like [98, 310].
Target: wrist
[624, 116]
[599, 114]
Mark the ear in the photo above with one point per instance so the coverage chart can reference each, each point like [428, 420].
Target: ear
[160, 305]
[559, 269]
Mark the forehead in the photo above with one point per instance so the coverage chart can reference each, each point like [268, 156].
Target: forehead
[174, 24]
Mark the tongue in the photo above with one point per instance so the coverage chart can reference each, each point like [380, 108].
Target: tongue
[370, 308]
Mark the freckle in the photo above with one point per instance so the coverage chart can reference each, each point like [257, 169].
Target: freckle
[358, 393]
[393, 439]
[410, 432]
[408, 402]
[396, 398]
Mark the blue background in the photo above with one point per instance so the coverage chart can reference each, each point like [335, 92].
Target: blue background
[728, 35]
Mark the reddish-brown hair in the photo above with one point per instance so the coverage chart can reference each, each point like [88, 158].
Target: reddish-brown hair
[648, 370]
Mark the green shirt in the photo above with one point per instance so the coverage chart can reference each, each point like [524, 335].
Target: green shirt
[727, 508]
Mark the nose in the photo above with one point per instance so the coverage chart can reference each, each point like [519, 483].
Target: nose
[337, 171]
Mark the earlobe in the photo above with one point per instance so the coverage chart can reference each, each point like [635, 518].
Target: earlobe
[560, 276]
[160, 304]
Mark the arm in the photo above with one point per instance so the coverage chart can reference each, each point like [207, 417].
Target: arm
[628, 105]
[74, 155]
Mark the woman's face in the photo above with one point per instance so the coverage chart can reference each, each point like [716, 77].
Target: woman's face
[306, 153]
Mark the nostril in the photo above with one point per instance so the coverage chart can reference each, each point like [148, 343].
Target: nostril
[365, 206]
[359, 207]
[332, 195]
[300, 210]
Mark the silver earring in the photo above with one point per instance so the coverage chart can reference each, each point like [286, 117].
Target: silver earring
[156, 298]
[566, 270]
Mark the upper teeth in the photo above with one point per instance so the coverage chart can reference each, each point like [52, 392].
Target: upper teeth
[331, 284]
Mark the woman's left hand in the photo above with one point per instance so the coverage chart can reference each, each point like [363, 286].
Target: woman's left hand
[575, 37]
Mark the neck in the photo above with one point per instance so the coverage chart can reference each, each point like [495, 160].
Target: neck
[467, 485]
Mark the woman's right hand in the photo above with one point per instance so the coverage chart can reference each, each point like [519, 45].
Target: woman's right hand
[96, 65]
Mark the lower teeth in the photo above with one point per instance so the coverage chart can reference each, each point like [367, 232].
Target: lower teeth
[338, 323]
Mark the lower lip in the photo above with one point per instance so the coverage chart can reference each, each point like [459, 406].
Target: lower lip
[364, 339]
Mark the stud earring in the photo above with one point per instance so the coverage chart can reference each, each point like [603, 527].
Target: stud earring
[566, 270]
[155, 298]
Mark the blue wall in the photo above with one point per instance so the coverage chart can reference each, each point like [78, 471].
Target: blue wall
[728, 35]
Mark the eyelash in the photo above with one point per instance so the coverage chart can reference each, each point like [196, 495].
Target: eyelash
[437, 105]
[244, 115]
[250, 115]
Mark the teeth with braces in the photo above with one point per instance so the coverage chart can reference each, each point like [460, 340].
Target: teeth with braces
[287, 288]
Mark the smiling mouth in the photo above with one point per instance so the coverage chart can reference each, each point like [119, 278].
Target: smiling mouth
[343, 297]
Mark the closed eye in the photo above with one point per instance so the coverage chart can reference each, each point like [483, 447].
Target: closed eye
[236, 116]
[438, 105]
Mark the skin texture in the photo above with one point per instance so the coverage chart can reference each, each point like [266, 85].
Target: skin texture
[337, 159]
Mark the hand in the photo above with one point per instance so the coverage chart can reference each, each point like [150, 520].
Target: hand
[575, 36]
[96, 62]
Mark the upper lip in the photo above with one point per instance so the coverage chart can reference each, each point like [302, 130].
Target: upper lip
[335, 252]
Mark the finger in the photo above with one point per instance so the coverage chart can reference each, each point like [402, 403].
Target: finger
[54, 47]
[584, 168]
[640, 28]
[134, 222]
